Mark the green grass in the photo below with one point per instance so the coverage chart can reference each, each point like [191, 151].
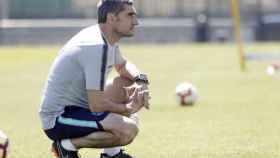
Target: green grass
[237, 115]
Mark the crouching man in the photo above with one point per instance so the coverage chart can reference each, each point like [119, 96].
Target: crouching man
[77, 109]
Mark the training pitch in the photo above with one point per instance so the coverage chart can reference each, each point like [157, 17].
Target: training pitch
[237, 115]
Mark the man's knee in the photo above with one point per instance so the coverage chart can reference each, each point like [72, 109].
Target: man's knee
[124, 136]
[128, 134]
[135, 118]
[123, 128]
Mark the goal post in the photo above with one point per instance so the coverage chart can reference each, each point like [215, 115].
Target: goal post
[235, 7]
[253, 56]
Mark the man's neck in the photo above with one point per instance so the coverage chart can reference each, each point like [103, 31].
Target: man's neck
[108, 33]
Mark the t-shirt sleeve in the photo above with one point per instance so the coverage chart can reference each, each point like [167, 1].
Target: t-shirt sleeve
[119, 59]
[93, 62]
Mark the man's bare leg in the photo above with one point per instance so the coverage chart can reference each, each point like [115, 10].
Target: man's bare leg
[96, 140]
[119, 131]
[116, 91]
[116, 149]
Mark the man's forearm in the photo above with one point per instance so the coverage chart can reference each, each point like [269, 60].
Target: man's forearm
[119, 108]
[110, 106]
[128, 70]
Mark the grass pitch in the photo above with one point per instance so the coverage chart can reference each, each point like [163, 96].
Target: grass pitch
[237, 115]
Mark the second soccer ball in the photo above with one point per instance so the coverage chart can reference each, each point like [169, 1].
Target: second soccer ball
[186, 94]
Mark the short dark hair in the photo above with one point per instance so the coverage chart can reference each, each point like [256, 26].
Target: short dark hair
[110, 6]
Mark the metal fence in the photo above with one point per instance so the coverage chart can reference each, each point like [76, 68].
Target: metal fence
[145, 8]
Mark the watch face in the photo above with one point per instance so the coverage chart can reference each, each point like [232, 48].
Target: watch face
[142, 78]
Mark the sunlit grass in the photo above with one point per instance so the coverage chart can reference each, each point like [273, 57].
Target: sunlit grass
[237, 115]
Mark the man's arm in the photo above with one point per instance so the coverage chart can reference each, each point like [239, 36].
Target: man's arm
[127, 70]
[130, 71]
[99, 103]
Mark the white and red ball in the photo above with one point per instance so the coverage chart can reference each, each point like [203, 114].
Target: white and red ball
[186, 94]
[271, 69]
[4, 145]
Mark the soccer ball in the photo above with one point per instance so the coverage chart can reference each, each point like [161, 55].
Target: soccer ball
[271, 69]
[186, 94]
[4, 144]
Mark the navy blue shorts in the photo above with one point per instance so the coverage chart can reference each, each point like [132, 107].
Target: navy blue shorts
[76, 122]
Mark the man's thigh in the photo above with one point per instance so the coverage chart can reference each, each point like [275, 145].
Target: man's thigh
[76, 122]
[116, 122]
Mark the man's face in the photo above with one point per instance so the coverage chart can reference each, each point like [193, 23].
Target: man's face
[125, 22]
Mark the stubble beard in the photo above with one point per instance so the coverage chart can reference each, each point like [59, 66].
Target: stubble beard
[123, 34]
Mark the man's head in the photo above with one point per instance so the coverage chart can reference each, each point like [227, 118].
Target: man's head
[119, 14]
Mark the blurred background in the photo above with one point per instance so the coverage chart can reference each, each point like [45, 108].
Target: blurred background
[55, 21]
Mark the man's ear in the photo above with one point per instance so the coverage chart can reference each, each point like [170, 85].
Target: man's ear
[111, 17]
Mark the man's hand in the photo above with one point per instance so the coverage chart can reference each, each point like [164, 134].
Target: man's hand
[143, 96]
[138, 96]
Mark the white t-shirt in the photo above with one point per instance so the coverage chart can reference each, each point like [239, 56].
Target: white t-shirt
[82, 64]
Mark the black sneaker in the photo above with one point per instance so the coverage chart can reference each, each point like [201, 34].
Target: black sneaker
[60, 152]
[121, 154]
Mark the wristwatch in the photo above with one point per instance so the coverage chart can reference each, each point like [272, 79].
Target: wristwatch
[141, 78]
